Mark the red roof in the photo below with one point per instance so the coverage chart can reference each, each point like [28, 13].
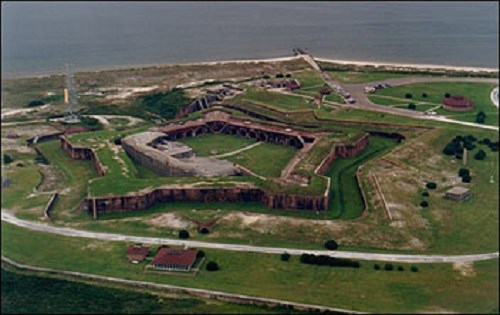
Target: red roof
[458, 100]
[132, 250]
[169, 256]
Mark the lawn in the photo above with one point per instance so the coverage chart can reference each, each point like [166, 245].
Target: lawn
[215, 144]
[276, 100]
[346, 201]
[434, 286]
[478, 92]
[267, 159]
[51, 295]
[352, 77]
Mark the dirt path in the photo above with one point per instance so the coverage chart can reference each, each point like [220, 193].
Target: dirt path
[237, 151]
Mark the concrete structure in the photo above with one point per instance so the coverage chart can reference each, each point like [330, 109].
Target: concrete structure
[175, 259]
[458, 193]
[458, 103]
[137, 253]
[167, 158]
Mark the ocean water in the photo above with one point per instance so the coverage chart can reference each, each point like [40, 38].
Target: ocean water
[38, 38]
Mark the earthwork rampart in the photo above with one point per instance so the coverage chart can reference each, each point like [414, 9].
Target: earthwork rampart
[81, 153]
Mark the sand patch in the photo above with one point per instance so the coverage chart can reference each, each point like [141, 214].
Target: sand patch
[466, 269]
[171, 220]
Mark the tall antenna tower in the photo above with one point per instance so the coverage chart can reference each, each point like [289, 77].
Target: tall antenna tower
[70, 97]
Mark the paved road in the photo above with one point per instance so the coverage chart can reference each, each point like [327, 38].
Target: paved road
[494, 96]
[43, 227]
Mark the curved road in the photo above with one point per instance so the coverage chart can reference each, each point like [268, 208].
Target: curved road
[43, 227]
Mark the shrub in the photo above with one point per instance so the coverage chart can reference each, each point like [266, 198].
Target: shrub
[469, 146]
[470, 138]
[200, 254]
[204, 230]
[288, 75]
[408, 95]
[425, 194]
[480, 155]
[400, 268]
[447, 95]
[285, 257]
[449, 149]
[376, 267]
[324, 260]
[431, 185]
[463, 171]
[424, 204]
[118, 141]
[212, 266]
[266, 76]
[7, 159]
[165, 104]
[458, 156]
[412, 106]
[183, 234]
[413, 268]
[466, 178]
[486, 141]
[493, 146]
[388, 267]
[35, 103]
[480, 117]
[424, 95]
[280, 75]
[331, 244]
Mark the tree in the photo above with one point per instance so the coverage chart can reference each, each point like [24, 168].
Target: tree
[388, 267]
[449, 149]
[425, 194]
[424, 95]
[400, 268]
[266, 76]
[376, 267]
[431, 185]
[413, 268]
[204, 230]
[288, 75]
[466, 178]
[447, 95]
[412, 106]
[331, 245]
[480, 117]
[463, 171]
[183, 234]
[212, 266]
[118, 141]
[7, 159]
[200, 254]
[408, 95]
[424, 204]
[280, 75]
[480, 155]
[458, 156]
[35, 103]
[285, 257]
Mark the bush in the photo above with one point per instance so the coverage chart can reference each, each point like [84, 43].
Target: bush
[212, 266]
[35, 103]
[466, 178]
[324, 260]
[412, 106]
[463, 171]
[285, 257]
[288, 75]
[469, 146]
[447, 95]
[388, 267]
[424, 95]
[486, 141]
[266, 76]
[424, 204]
[480, 117]
[425, 194]
[480, 155]
[280, 75]
[493, 146]
[431, 185]
[118, 141]
[408, 95]
[400, 268]
[458, 156]
[200, 254]
[183, 234]
[7, 159]
[449, 149]
[376, 267]
[413, 268]
[331, 245]
[204, 230]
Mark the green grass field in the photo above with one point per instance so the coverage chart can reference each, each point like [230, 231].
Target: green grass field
[34, 294]
[346, 201]
[214, 144]
[434, 286]
[364, 77]
[276, 100]
[478, 92]
[266, 159]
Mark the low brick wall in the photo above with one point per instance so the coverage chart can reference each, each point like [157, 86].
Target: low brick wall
[143, 201]
[80, 153]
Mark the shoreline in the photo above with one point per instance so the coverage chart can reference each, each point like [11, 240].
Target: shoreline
[377, 64]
